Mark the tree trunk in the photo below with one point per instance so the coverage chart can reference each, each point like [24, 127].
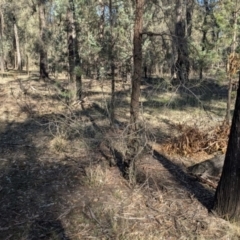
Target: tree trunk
[27, 64]
[227, 197]
[233, 50]
[189, 12]
[133, 138]
[137, 61]
[15, 60]
[42, 40]
[18, 65]
[182, 65]
[204, 37]
[78, 77]
[157, 70]
[1, 42]
[71, 50]
[1, 56]
[102, 20]
[2, 63]
[75, 71]
[229, 100]
[111, 58]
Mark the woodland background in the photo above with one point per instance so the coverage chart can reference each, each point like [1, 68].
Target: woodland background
[72, 118]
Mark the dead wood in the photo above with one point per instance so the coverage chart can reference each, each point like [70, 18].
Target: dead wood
[210, 169]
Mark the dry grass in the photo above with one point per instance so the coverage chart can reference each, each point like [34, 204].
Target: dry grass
[96, 175]
[55, 183]
[59, 144]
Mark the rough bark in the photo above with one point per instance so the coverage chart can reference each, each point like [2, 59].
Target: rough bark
[204, 36]
[209, 23]
[102, 20]
[229, 100]
[227, 197]
[182, 64]
[111, 58]
[134, 134]
[2, 63]
[189, 12]
[1, 41]
[78, 78]
[42, 40]
[233, 50]
[73, 54]
[71, 38]
[137, 61]
[27, 64]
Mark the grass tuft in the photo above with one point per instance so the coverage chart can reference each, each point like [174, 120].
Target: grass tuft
[59, 144]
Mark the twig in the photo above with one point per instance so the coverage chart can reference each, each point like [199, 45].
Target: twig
[93, 216]
[131, 218]
[65, 213]
[206, 181]
[203, 106]
[33, 88]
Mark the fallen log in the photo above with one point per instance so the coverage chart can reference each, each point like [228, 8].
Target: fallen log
[209, 169]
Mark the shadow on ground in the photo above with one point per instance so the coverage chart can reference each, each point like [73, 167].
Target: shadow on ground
[194, 93]
[204, 196]
[35, 187]
[32, 185]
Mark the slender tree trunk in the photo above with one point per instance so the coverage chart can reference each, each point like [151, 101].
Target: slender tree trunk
[1, 55]
[111, 58]
[15, 60]
[78, 76]
[227, 197]
[18, 53]
[157, 70]
[101, 31]
[204, 37]
[2, 62]
[11, 56]
[102, 20]
[1, 42]
[134, 138]
[43, 39]
[27, 64]
[137, 62]
[182, 65]
[71, 50]
[113, 93]
[73, 54]
[233, 50]
[189, 12]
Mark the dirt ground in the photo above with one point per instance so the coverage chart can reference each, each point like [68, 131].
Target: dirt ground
[55, 182]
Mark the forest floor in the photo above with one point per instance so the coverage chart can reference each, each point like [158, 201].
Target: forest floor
[56, 184]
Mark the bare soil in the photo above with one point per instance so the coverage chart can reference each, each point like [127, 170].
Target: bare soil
[55, 182]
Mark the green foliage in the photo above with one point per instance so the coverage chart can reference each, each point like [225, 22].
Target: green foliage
[97, 39]
[219, 29]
